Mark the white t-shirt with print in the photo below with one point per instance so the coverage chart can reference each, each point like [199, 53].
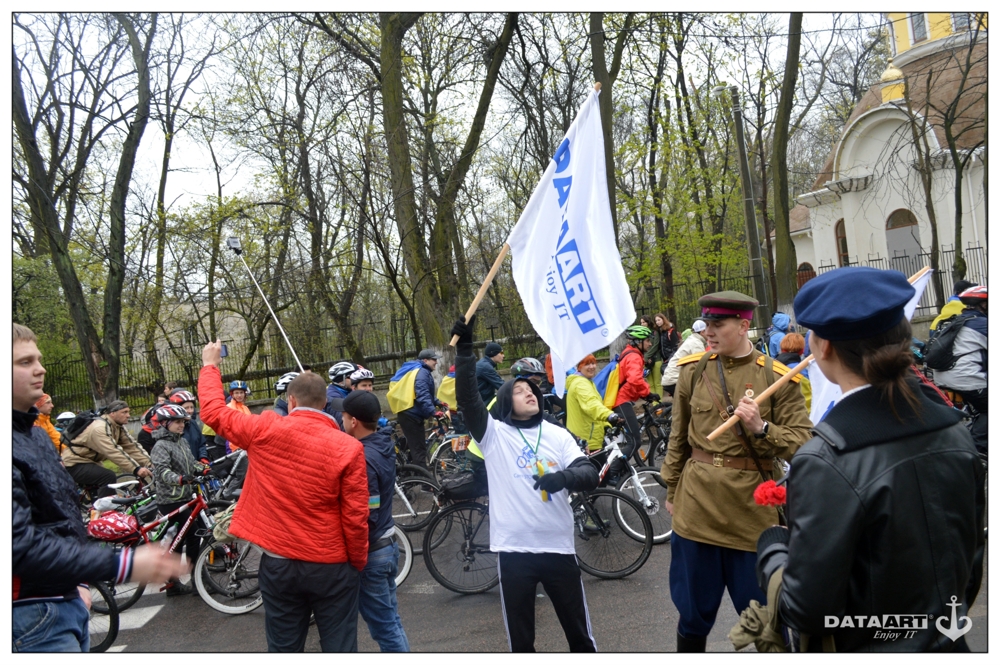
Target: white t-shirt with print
[519, 520]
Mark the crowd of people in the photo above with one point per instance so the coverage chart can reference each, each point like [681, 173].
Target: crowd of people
[844, 542]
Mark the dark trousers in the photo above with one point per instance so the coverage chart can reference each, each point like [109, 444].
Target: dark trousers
[633, 433]
[700, 573]
[520, 573]
[416, 439]
[93, 475]
[293, 589]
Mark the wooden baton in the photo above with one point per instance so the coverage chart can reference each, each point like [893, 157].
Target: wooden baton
[482, 289]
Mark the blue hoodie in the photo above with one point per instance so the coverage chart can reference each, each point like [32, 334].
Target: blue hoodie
[380, 459]
[779, 324]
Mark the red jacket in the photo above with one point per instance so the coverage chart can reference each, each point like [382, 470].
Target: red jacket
[630, 374]
[305, 495]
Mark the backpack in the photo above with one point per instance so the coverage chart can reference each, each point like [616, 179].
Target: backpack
[78, 424]
[763, 343]
[939, 351]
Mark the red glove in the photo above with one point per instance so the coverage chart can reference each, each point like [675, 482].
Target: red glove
[204, 460]
[439, 414]
[207, 470]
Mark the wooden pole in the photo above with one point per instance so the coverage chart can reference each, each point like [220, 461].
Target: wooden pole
[787, 377]
[482, 289]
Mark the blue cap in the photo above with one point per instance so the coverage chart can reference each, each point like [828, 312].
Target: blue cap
[853, 303]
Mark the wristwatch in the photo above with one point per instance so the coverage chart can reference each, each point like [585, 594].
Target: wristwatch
[763, 432]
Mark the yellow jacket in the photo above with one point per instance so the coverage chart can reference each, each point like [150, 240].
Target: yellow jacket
[586, 415]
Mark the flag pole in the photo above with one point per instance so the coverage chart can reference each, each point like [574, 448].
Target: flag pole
[482, 289]
[774, 387]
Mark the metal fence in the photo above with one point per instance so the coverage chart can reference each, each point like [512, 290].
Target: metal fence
[976, 270]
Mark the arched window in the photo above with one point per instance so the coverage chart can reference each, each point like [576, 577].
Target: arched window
[842, 258]
[805, 273]
[899, 219]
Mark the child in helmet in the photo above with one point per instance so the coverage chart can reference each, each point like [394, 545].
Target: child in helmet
[175, 468]
[280, 405]
[238, 390]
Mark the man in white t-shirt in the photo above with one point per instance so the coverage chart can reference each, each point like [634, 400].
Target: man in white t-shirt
[533, 537]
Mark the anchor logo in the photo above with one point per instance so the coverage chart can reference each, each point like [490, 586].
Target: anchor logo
[956, 629]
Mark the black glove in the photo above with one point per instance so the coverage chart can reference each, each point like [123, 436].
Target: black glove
[653, 397]
[185, 480]
[464, 330]
[550, 482]
[615, 419]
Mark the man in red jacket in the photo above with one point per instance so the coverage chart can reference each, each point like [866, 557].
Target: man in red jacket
[633, 386]
[305, 502]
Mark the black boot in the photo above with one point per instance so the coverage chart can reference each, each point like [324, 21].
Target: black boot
[177, 588]
[691, 644]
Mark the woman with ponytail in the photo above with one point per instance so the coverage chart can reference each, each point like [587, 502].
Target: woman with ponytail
[886, 502]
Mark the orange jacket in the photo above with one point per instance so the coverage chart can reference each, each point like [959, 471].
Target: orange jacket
[631, 365]
[242, 408]
[305, 496]
[45, 422]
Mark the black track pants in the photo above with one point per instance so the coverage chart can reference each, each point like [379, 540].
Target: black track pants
[559, 574]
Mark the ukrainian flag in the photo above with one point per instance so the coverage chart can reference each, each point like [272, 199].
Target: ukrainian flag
[608, 383]
[401, 386]
[446, 391]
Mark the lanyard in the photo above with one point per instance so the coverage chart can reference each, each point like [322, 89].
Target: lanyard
[537, 443]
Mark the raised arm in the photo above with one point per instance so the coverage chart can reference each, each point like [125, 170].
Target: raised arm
[470, 403]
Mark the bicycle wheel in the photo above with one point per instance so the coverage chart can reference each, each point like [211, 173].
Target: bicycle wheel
[414, 504]
[446, 462]
[226, 576]
[411, 471]
[603, 546]
[405, 561]
[457, 549]
[650, 482]
[103, 626]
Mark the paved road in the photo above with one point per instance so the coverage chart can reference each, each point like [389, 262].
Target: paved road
[634, 614]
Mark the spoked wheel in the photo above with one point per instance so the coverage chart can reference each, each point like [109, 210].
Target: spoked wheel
[103, 626]
[652, 498]
[414, 504]
[457, 549]
[226, 576]
[405, 561]
[446, 462]
[603, 520]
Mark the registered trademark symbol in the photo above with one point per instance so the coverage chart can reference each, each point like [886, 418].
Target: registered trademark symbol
[604, 332]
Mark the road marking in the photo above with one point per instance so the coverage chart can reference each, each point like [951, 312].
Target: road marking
[417, 588]
[118, 648]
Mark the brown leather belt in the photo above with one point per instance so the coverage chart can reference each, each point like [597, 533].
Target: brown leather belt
[718, 459]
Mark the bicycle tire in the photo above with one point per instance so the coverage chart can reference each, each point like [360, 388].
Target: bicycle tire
[652, 484]
[129, 491]
[460, 560]
[413, 471]
[405, 561]
[417, 506]
[446, 462]
[238, 595]
[603, 548]
[103, 626]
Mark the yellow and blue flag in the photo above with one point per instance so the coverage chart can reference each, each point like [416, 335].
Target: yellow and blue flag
[402, 392]
[608, 383]
[446, 391]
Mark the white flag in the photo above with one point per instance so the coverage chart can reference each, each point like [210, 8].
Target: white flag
[565, 260]
[825, 393]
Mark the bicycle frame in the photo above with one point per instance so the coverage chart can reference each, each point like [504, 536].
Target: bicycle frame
[614, 452]
[198, 507]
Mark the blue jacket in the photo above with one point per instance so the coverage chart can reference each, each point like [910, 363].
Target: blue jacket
[192, 434]
[779, 325]
[488, 378]
[424, 402]
[333, 391]
[380, 459]
[51, 554]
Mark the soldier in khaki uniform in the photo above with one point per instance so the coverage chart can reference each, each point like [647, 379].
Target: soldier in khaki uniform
[710, 484]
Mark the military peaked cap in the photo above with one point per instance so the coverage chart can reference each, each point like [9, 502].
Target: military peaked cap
[727, 304]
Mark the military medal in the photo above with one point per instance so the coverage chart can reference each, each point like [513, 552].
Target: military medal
[749, 392]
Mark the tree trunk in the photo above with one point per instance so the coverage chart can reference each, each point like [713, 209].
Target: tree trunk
[785, 263]
[606, 77]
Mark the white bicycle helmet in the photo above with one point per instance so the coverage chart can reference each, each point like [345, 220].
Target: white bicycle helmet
[362, 374]
[340, 370]
[282, 384]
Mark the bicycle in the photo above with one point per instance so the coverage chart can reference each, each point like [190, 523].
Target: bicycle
[103, 625]
[404, 564]
[600, 550]
[642, 484]
[415, 502]
[225, 576]
[449, 455]
[457, 549]
[655, 422]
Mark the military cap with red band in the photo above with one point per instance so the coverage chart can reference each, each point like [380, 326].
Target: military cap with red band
[727, 304]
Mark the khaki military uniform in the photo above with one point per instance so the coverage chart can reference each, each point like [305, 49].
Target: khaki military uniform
[714, 504]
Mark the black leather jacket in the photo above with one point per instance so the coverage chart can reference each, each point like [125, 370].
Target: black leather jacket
[50, 550]
[884, 518]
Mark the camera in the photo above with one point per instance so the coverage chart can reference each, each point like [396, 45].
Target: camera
[234, 244]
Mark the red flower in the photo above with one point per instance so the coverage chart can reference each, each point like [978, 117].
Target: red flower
[769, 494]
